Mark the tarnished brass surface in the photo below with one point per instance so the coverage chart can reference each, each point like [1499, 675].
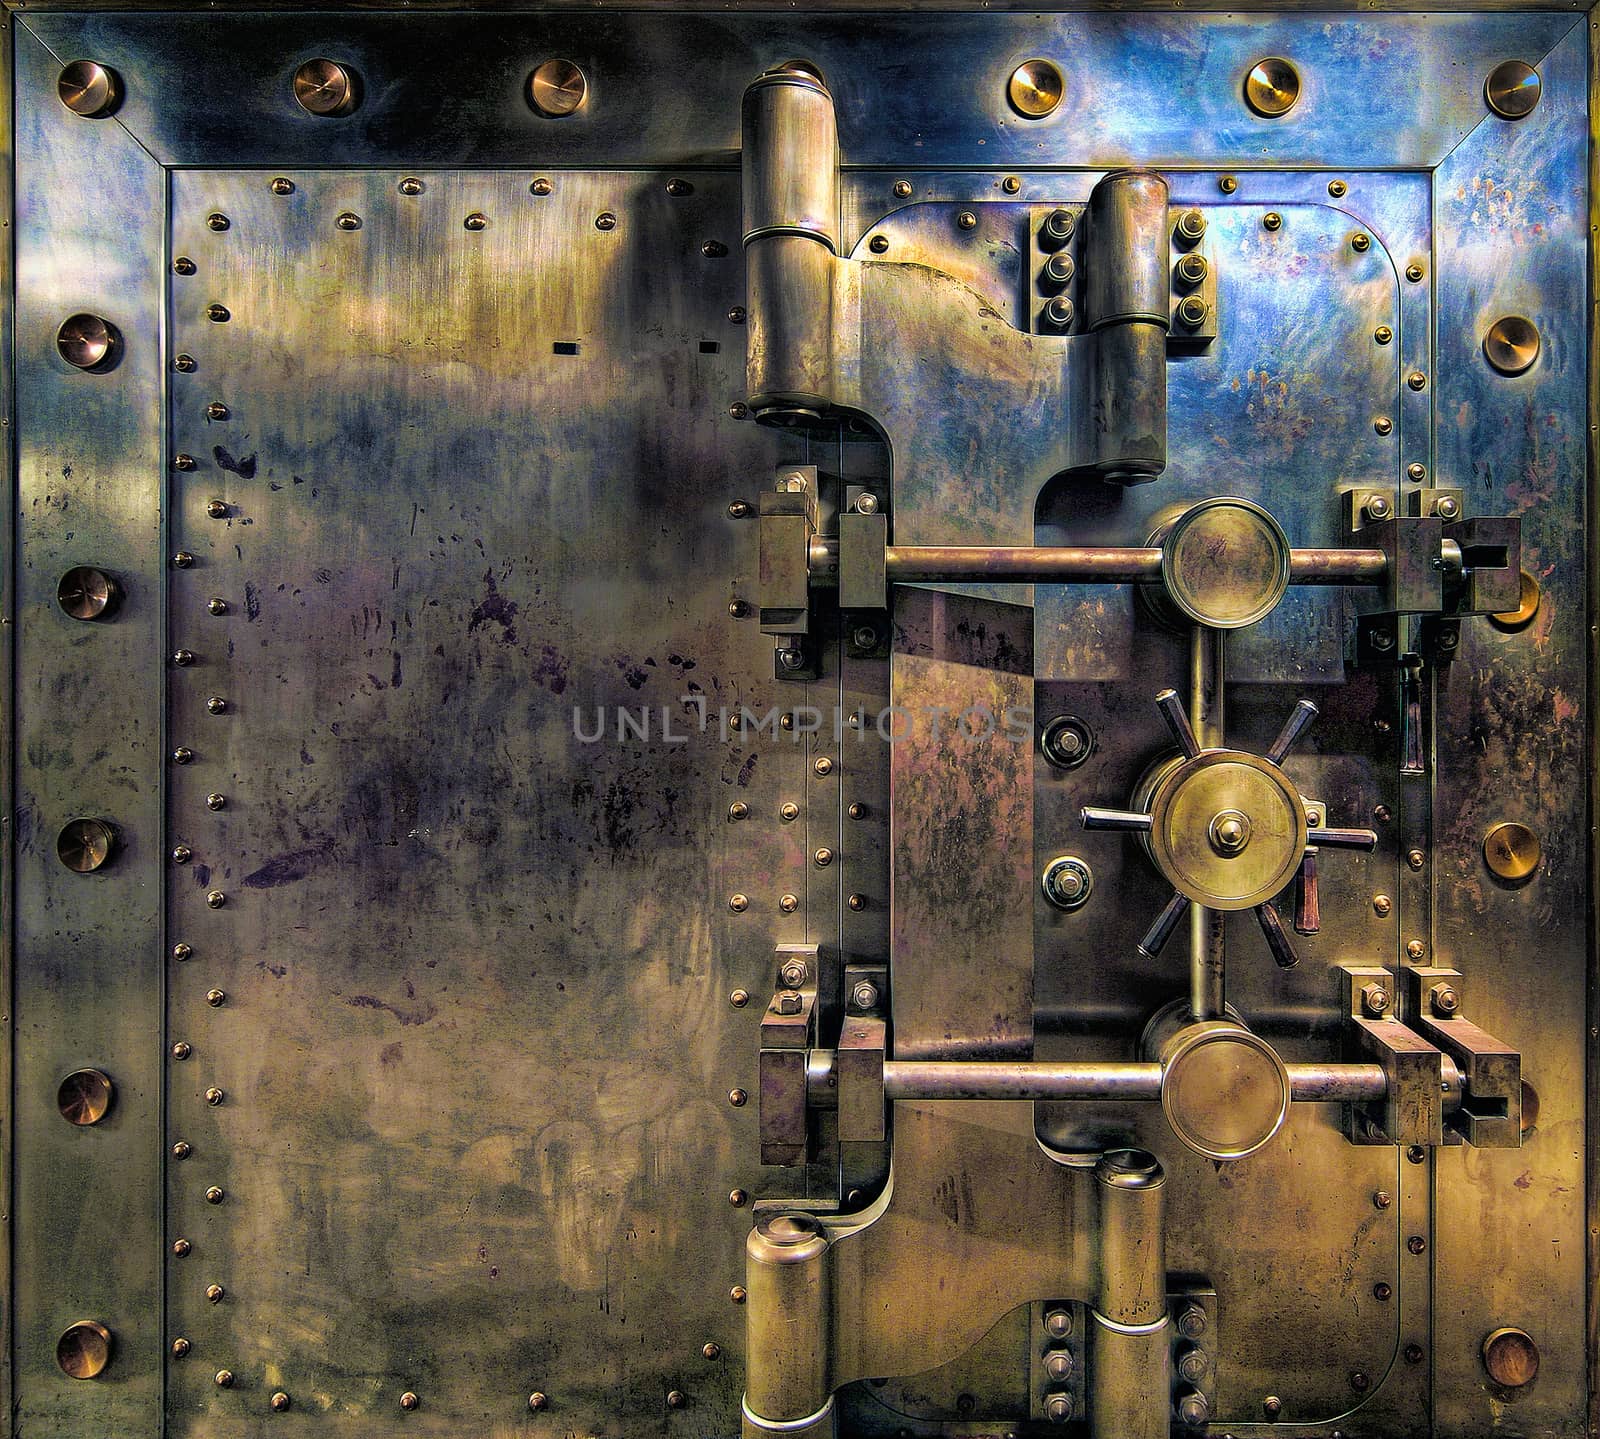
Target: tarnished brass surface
[84, 1096]
[84, 1349]
[1511, 850]
[1272, 87]
[1035, 88]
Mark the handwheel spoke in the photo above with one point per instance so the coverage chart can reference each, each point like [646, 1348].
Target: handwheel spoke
[1299, 720]
[1277, 938]
[1094, 817]
[1160, 932]
[1173, 713]
[1364, 839]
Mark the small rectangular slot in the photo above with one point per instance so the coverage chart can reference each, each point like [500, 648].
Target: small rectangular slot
[564, 347]
[1484, 557]
[710, 347]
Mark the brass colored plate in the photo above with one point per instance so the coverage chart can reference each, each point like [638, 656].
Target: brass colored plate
[1036, 88]
[1225, 563]
[1511, 850]
[1527, 606]
[84, 1349]
[1227, 829]
[1512, 344]
[1225, 1091]
[85, 1096]
[1272, 87]
[1512, 89]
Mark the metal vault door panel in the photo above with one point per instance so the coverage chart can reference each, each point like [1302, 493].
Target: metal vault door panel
[429, 965]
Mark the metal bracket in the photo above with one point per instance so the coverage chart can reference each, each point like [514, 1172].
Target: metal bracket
[1490, 1113]
[787, 1032]
[788, 521]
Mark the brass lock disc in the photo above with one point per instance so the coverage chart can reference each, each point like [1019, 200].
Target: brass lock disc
[1227, 829]
[1225, 563]
[1224, 1090]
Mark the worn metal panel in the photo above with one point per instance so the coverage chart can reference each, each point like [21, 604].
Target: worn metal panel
[90, 215]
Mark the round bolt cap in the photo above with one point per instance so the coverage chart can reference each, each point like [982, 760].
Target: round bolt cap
[325, 88]
[1035, 88]
[88, 594]
[89, 89]
[180, 1347]
[409, 1401]
[214, 1195]
[1511, 344]
[224, 1379]
[279, 1402]
[85, 845]
[1512, 851]
[1512, 89]
[1511, 1357]
[84, 1097]
[88, 342]
[1272, 87]
[1067, 882]
[557, 88]
[84, 1349]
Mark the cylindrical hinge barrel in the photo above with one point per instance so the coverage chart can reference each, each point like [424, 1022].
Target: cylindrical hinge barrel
[1128, 402]
[1130, 1383]
[787, 1316]
[1132, 1286]
[1125, 269]
[791, 237]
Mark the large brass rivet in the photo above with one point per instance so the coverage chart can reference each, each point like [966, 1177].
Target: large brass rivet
[217, 509]
[1272, 87]
[84, 845]
[1227, 184]
[737, 1098]
[1512, 89]
[183, 463]
[216, 998]
[84, 1096]
[182, 1149]
[183, 265]
[88, 594]
[347, 220]
[185, 363]
[214, 1195]
[84, 1349]
[89, 89]
[605, 220]
[181, 1247]
[1527, 606]
[218, 314]
[1361, 242]
[789, 811]
[216, 801]
[1337, 188]
[676, 1399]
[1383, 425]
[737, 1294]
[823, 857]
[180, 1347]
[409, 1401]
[1035, 88]
[1511, 1357]
[279, 1402]
[214, 1096]
[540, 187]
[1511, 850]
[282, 185]
[1417, 380]
[538, 1401]
[183, 658]
[411, 186]
[216, 605]
[738, 903]
[325, 88]
[224, 1379]
[477, 220]
[216, 410]
[182, 1049]
[789, 903]
[711, 1351]
[1416, 473]
[216, 220]
[557, 88]
[1383, 334]
[739, 998]
[215, 1293]
[183, 755]
[87, 342]
[1414, 273]
[216, 705]
[966, 220]
[1381, 904]
[1272, 220]
[1512, 344]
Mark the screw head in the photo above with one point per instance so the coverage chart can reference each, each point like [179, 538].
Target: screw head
[739, 998]
[738, 509]
[214, 1195]
[794, 973]
[738, 1098]
[1416, 949]
[736, 315]
[858, 811]
[605, 220]
[738, 410]
[540, 187]
[678, 187]
[1382, 1292]
[823, 857]
[224, 1379]
[216, 998]
[1058, 1323]
[1382, 904]
[216, 705]
[1060, 310]
[1415, 858]
[183, 265]
[1416, 1154]
[538, 1400]
[180, 1347]
[1191, 226]
[738, 810]
[217, 606]
[182, 1049]
[1011, 184]
[738, 903]
[279, 1402]
[180, 1247]
[1360, 242]
[182, 1149]
[214, 1096]
[411, 186]
[185, 363]
[1416, 1244]
[967, 220]
[1272, 220]
[1272, 1406]
[713, 249]
[216, 801]
[1416, 473]
[409, 1401]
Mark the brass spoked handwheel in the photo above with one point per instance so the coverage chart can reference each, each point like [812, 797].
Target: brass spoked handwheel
[1228, 829]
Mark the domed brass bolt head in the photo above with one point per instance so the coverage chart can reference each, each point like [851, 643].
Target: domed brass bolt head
[1381, 904]
[966, 220]
[217, 509]
[676, 1399]
[738, 903]
[1383, 425]
[89, 89]
[738, 1198]
[540, 187]
[325, 88]
[1383, 334]
[409, 1401]
[711, 1351]
[823, 765]
[182, 1049]
[1192, 269]
[823, 858]
[1227, 184]
[737, 1098]
[347, 220]
[224, 1379]
[1011, 184]
[216, 801]
[538, 1401]
[1383, 1293]
[282, 185]
[1382, 1199]
[902, 189]
[1417, 380]
[1414, 273]
[214, 1293]
[1361, 242]
[185, 363]
[180, 1347]
[411, 186]
[857, 902]
[1416, 1244]
[181, 1247]
[789, 903]
[1511, 344]
[557, 88]
[1337, 189]
[88, 342]
[739, 998]
[214, 1195]
[1272, 220]
[1512, 89]
[182, 1149]
[477, 220]
[216, 220]
[788, 812]
[279, 1402]
[216, 705]
[736, 1295]
[1035, 88]
[216, 998]
[1416, 949]
[214, 1096]
[1416, 473]
[1272, 87]
[218, 314]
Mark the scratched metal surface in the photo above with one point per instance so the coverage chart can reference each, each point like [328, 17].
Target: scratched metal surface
[476, 1045]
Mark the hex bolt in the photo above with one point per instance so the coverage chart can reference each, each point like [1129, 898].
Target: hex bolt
[1058, 1408]
[1382, 1199]
[1058, 1323]
[866, 503]
[1375, 999]
[1191, 226]
[1058, 1365]
[1059, 269]
[1192, 312]
[1377, 507]
[864, 995]
[865, 638]
[1059, 312]
[787, 1002]
[1381, 904]
[1446, 999]
[791, 659]
[1192, 1322]
[1194, 1410]
[794, 973]
[1192, 269]
[1057, 227]
[1193, 1363]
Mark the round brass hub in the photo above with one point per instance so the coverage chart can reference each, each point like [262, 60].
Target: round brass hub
[1511, 1357]
[1512, 344]
[557, 88]
[1035, 88]
[87, 594]
[1224, 1090]
[1225, 563]
[89, 89]
[325, 88]
[1272, 87]
[87, 342]
[84, 1097]
[1512, 89]
[1227, 829]
[84, 845]
[84, 1349]
[1511, 850]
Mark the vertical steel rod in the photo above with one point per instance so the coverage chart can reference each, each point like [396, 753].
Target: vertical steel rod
[1207, 966]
